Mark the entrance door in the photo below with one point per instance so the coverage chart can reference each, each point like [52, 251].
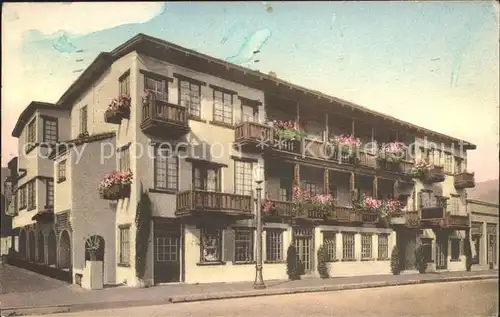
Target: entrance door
[167, 252]
[477, 242]
[304, 245]
[492, 257]
[441, 252]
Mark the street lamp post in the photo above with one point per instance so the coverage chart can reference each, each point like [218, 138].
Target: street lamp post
[258, 174]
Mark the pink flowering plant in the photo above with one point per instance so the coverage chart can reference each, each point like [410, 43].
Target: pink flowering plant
[147, 96]
[121, 103]
[345, 143]
[420, 169]
[384, 207]
[304, 202]
[114, 181]
[393, 152]
[288, 130]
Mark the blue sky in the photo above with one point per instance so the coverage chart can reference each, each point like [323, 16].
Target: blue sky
[430, 63]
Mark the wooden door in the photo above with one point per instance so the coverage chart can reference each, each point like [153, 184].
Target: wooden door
[167, 239]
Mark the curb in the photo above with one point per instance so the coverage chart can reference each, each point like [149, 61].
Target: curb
[66, 308]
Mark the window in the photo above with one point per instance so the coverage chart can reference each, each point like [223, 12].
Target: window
[454, 205]
[427, 199]
[455, 249]
[448, 163]
[458, 165]
[167, 249]
[427, 249]
[206, 178]
[124, 245]
[310, 188]
[190, 97]
[61, 171]
[50, 193]
[274, 245]
[31, 195]
[157, 87]
[329, 244]
[83, 120]
[383, 246]
[49, 130]
[348, 246]
[166, 169]
[223, 107]
[243, 175]
[285, 191]
[437, 158]
[249, 112]
[366, 246]
[211, 245]
[31, 135]
[124, 82]
[124, 159]
[22, 197]
[243, 245]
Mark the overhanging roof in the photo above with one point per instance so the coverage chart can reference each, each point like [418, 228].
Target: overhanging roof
[28, 112]
[251, 79]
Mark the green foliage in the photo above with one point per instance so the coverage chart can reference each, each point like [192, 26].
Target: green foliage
[322, 262]
[420, 261]
[395, 261]
[143, 227]
[468, 254]
[292, 267]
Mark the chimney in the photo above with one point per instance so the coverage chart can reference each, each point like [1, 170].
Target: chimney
[273, 74]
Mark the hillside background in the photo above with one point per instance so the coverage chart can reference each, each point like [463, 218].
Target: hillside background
[485, 191]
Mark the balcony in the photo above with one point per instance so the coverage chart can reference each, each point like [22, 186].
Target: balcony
[164, 119]
[203, 202]
[277, 209]
[464, 180]
[252, 136]
[44, 216]
[435, 174]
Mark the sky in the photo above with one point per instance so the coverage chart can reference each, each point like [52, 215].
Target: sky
[434, 64]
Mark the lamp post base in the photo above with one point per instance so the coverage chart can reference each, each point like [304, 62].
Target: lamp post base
[259, 280]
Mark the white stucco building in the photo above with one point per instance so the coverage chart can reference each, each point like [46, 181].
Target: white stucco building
[212, 114]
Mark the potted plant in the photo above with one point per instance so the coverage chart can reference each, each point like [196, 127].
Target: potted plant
[93, 272]
[322, 262]
[118, 109]
[395, 261]
[344, 145]
[420, 261]
[287, 131]
[292, 267]
[304, 203]
[116, 185]
[420, 169]
[393, 152]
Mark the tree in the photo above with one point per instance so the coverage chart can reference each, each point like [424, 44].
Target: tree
[395, 261]
[420, 260]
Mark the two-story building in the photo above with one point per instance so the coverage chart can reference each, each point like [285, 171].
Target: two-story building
[191, 129]
[484, 233]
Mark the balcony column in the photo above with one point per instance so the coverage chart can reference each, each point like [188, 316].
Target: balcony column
[298, 113]
[375, 187]
[327, 133]
[395, 189]
[352, 184]
[326, 185]
[296, 175]
[352, 127]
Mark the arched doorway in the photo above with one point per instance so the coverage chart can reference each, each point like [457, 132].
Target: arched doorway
[52, 249]
[31, 246]
[65, 250]
[40, 244]
[94, 241]
[22, 244]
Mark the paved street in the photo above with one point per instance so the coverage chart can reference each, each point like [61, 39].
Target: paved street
[476, 298]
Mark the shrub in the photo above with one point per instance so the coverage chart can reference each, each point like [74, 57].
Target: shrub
[420, 261]
[395, 261]
[292, 267]
[322, 265]
[143, 224]
[468, 254]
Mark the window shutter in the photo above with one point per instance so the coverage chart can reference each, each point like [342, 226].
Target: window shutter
[228, 245]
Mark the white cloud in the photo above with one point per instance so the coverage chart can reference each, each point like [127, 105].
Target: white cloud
[20, 85]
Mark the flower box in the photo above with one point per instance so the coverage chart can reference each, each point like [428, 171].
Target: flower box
[344, 147]
[306, 205]
[393, 152]
[287, 130]
[118, 109]
[116, 186]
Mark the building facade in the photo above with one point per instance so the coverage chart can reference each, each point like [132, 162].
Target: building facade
[191, 129]
[484, 233]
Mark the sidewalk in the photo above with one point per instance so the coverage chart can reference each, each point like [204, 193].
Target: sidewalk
[73, 298]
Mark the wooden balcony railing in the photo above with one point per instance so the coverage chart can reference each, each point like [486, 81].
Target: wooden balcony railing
[435, 174]
[253, 135]
[160, 117]
[465, 180]
[432, 212]
[412, 219]
[367, 159]
[207, 201]
[457, 221]
[280, 208]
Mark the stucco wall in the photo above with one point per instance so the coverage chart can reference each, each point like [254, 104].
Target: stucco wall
[91, 215]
